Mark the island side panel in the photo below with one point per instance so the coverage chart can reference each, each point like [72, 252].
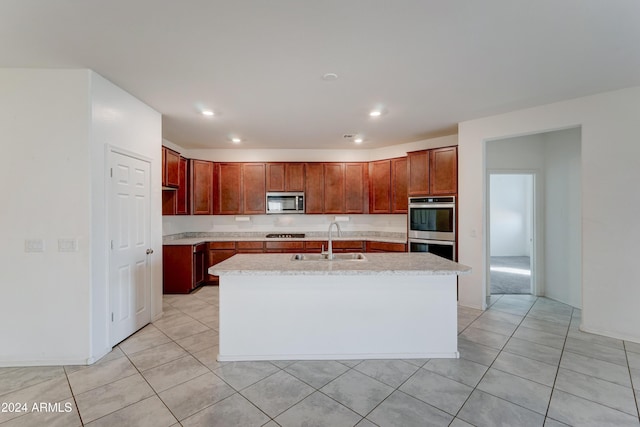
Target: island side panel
[314, 317]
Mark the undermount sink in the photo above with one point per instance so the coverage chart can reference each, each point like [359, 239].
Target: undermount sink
[351, 256]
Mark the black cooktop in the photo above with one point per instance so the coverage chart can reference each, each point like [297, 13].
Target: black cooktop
[285, 236]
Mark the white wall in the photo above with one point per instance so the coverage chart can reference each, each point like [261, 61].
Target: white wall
[510, 218]
[563, 225]
[293, 155]
[44, 297]
[53, 304]
[121, 121]
[609, 159]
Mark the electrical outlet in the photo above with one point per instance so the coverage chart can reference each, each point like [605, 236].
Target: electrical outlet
[67, 245]
[34, 245]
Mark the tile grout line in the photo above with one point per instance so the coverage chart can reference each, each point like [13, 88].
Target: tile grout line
[633, 390]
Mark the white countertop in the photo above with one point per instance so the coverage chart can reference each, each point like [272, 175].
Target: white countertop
[395, 264]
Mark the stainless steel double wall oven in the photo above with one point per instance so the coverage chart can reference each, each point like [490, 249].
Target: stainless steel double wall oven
[432, 225]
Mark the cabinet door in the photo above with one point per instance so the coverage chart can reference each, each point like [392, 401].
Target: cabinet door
[294, 177]
[171, 165]
[253, 188]
[356, 177]
[177, 269]
[386, 247]
[314, 188]
[182, 195]
[218, 252]
[380, 187]
[164, 166]
[275, 176]
[418, 171]
[169, 202]
[334, 188]
[399, 199]
[229, 188]
[443, 171]
[199, 264]
[201, 190]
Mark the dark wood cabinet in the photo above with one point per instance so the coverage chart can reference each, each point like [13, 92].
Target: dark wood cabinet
[285, 177]
[170, 161]
[228, 200]
[176, 202]
[218, 252]
[418, 173]
[399, 197]
[443, 171]
[333, 188]
[183, 267]
[433, 172]
[356, 178]
[284, 246]
[380, 187]
[253, 188]
[247, 247]
[201, 187]
[386, 247]
[314, 188]
[182, 194]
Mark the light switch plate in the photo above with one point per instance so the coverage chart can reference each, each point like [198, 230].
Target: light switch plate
[67, 245]
[34, 245]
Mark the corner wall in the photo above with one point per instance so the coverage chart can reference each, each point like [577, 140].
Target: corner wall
[609, 171]
[44, 296]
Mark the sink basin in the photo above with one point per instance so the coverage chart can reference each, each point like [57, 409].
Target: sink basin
[351, 256]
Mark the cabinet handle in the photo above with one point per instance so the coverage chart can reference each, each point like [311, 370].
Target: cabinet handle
[149, 251]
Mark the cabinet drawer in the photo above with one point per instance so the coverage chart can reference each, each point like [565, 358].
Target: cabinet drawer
[250, 246]
[284, 245]
[315, 244]
[348, 244]
[222, 245]
[386, 247]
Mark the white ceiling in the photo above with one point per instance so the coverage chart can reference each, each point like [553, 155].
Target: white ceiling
[259, 64]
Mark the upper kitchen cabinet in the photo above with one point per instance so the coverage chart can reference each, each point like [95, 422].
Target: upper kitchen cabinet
[433, 172]
[399, 198]
[285, 176]
[176, 202]
[443, 171]
[182, 194]
[170, 165]
[253, 188]
[380, 186]
[356, 179]
[240, 188]
[334, 188]
[201, 187]
[314, 188]
[228, 200]
[418, 173]
[388, 186]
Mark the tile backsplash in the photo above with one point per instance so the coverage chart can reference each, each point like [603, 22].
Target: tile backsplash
[281, 223]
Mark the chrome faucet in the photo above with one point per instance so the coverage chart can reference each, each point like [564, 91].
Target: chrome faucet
[330, 252]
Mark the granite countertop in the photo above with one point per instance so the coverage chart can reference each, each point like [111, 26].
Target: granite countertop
[392, 264]
[196, 238]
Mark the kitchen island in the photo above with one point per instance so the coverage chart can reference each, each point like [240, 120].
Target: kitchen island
[385, 306]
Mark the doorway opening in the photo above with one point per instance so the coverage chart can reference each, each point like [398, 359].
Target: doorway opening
[511, 233]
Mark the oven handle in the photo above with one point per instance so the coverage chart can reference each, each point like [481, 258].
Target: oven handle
[433, 242]
[433, 205]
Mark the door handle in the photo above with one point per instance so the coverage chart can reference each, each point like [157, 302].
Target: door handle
[149, 251]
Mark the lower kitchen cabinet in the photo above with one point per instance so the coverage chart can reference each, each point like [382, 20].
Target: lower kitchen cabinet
[284, 247]
[386, 247]
[218, 252]
[183, 267]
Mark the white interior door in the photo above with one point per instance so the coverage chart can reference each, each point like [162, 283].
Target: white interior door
[129, 219]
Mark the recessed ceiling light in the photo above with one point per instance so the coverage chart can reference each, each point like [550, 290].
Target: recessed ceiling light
[207, 113]
[236, 140]
[375, 113]
[329, 77]
[358, 140]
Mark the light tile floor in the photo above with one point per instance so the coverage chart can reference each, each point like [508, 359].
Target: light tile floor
[523, 363]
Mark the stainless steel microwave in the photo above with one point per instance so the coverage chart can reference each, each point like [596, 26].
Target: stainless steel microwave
[285, 203]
